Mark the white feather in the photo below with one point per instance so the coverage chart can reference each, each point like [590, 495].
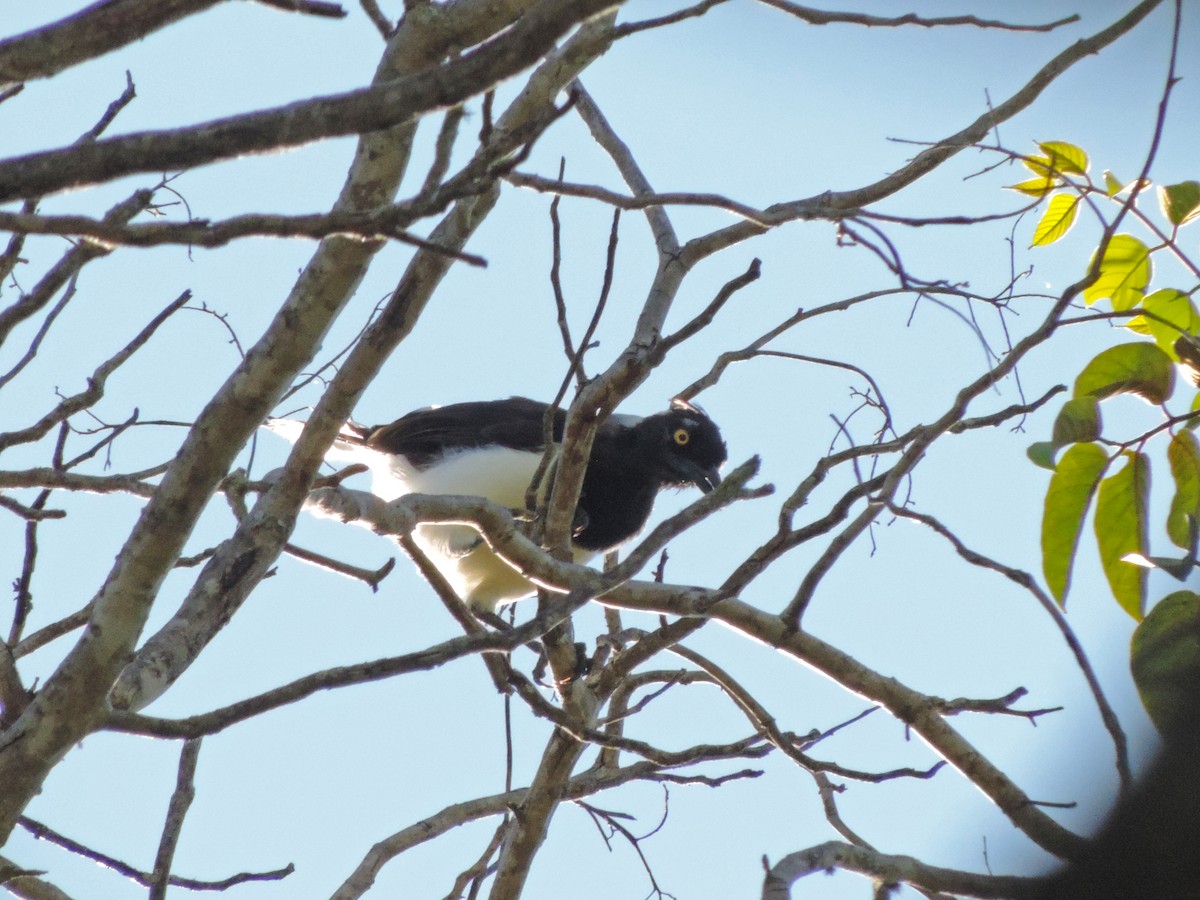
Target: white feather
[501, 474]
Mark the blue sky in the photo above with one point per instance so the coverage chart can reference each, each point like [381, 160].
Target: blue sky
[746, 102]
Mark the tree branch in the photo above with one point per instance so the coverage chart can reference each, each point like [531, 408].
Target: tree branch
[387, 104]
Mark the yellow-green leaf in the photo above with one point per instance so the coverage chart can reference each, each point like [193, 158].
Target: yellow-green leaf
[1183, 453]
[1180, 202]
[1056, 220]
[1165, 659]
[1078, 422]
[1172, 314]
[1140, 368]
[1038, 165]
[1112, 184]
[1139, 325]
[1120, 524]
[1065, 157]
[1067, 500]
[1124, 273]
[1035, 187]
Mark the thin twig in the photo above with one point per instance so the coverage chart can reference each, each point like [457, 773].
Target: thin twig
[181, 799]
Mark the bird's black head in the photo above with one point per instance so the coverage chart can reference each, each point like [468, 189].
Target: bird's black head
[686, 446]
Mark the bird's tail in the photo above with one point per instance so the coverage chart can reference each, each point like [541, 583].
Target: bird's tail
[350, 444]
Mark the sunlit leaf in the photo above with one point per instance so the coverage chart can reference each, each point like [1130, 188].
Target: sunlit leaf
[1112, 184]
[1173, 314]
[1140, 368]
[1078, 422]
[1183, 453]
[1180, 202]
[1139, 325]
[1120, 523]
[1038, 165]
[1056, 220]
[1067, 500]
[1165, 659]
[1065, 157]
[1124, 273]
[1035, 187]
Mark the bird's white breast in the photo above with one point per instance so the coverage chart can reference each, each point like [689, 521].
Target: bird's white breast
[502, 475]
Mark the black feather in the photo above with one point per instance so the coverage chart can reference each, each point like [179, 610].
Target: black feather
[628, 465]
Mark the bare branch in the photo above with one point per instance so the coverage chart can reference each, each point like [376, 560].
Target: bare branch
[381, 22]
[916, 710]
[690, 12]
[890, 869]
[370, 577]
[91, 32]
[648, 200]
[134, 483]
[68, 266]
[181, 799]
[584, 784]
[46, 833]
[837, 204]
[321, 8]
[95, 389]
[823, 17]
[387, 104]
[25, 884]
[385, 224]
[664, 233]
[1111, 723]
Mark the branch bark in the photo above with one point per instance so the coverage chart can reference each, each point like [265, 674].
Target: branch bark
[387, 104]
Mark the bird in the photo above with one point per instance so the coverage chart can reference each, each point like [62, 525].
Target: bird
[492, 449]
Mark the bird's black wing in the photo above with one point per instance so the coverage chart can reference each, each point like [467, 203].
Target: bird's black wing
[426, 435]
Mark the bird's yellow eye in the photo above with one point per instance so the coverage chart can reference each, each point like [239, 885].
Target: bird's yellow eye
[682, 436]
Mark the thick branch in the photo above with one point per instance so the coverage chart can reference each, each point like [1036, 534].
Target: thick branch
[888, 869]
[91, 32]
[382, 106]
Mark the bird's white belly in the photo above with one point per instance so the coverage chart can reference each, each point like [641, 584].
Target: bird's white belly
[480, 577]
[499, 473]
[502, 475]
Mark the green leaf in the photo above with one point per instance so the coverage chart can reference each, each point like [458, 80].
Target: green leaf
[1124, 273]
[1112, 184]
[1065, 157]
[1165, 659]
[1042, 454]
[1035, 187]
[1138, 368]
[1173, 314]
[1183, 453]
[1056, 220]
[1120, 525]
[1067, 500]
[1078, 422]
[1180, 202]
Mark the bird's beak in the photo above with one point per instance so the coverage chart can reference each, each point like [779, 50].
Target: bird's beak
[708, 480]
[693, 473]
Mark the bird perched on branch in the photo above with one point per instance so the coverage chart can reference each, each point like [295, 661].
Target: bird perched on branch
[492, 449]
